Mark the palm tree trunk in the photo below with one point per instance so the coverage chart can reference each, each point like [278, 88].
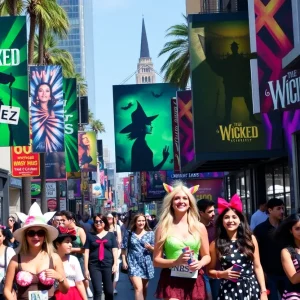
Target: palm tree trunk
[31, 38]
[41, 43]
[44, 206]
[14, 7]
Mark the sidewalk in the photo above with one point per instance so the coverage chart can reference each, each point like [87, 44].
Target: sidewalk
[126, 293]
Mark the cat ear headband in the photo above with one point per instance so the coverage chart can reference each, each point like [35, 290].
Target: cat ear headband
[169, 188]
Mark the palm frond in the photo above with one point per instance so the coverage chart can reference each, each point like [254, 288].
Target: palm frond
[176, 68]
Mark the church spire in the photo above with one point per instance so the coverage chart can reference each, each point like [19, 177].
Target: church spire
[144, 43]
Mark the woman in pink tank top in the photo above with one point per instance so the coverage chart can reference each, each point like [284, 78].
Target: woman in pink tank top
[35, 268]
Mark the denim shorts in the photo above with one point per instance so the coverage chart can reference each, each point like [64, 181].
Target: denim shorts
[207, 285]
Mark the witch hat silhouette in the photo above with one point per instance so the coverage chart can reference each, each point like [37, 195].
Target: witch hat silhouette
[139, 119]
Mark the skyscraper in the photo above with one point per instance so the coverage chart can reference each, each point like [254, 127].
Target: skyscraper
[145, 71]
[80, 41]
[74, 43]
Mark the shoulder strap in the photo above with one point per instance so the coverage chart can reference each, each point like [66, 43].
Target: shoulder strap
[5, 259]
[292, 251]
[19, 262]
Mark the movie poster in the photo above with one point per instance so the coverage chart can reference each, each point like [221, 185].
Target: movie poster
[185, 121]
[87, 151]
[155, 180]
[221, 88]
[14, 118]
[47, 109]
[56, 166]
[143, 127]
[71, 124]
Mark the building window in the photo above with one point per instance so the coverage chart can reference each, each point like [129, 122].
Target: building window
[277, 179]
[143, 79]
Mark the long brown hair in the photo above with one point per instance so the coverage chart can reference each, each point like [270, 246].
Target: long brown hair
[244, 236]
[133, 223]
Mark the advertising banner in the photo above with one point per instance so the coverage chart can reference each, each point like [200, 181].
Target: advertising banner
[222, 103]
[273, 86]
[87, 151]
[24, 163]
[143, 127]
[144, 184]
[126, 190]
[71, 124]
[14, 118]
[185, 121]
[35, 189]
[50, 189]
[56, 166]
[155, 180]
[175, 131]
[189, 176]
[131, 179]
[47, 109]
[74, 186]
[209, 189]
[52, 204]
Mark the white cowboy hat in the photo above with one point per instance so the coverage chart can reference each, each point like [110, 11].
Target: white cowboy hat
[36, 218]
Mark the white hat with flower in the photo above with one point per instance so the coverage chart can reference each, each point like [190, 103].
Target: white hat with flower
[36, 218]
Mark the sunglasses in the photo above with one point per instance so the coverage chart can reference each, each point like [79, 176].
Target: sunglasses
[39, 233]
[99, 222]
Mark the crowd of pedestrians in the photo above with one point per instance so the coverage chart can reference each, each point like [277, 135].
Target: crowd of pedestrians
[203, 253]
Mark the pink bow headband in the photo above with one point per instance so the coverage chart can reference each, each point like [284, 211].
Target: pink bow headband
[235, 202]
[169, 188]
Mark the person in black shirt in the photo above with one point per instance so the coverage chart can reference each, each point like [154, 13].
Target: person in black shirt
[269, 249]
[101, 258]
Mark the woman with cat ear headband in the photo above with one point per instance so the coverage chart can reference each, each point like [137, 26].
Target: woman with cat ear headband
[182, 238]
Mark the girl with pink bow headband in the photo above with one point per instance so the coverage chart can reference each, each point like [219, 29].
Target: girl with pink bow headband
[236, 250]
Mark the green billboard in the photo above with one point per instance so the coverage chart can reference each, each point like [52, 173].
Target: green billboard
[221, 86]
[143, 127]
[71, 124]
[14, 118]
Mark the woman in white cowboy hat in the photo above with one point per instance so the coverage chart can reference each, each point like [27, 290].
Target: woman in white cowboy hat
[35, 268]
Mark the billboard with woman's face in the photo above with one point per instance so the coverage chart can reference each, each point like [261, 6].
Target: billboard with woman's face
[47, 109]
[143, 127]
[87, 151]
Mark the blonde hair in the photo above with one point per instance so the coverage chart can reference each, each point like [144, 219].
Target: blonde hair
[167, 213]
[47, 245]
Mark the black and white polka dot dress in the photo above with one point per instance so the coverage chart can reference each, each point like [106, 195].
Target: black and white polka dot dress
[247, 287]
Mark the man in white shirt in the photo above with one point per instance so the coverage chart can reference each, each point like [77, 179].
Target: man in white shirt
[259, 216]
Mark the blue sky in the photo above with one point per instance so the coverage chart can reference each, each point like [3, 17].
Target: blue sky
[117, 37]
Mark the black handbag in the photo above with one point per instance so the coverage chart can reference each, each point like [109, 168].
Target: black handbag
[125, 271]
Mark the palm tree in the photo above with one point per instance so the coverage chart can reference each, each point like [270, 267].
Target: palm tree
[11, 7]
[81, 83]
[96, 125]
[52, 55]
[176, 68]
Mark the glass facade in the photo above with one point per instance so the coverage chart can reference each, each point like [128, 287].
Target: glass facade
[74, 43]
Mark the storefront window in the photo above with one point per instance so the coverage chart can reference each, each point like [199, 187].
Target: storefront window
[278, 184]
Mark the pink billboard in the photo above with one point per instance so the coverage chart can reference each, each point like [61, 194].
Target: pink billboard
[126, 184]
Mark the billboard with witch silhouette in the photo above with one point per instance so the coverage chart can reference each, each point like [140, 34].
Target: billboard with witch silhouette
[143, 127]
[221, 88]
[14, 118]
